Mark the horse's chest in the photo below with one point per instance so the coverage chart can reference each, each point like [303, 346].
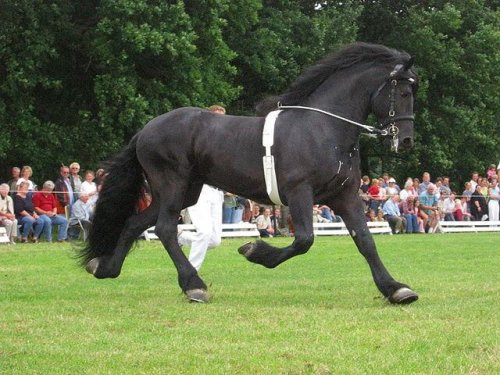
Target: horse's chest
[342, 160]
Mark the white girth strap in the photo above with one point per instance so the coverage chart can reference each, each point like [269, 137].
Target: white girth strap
[268, 160]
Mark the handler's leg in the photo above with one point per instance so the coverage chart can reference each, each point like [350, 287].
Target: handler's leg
[206, 216]
[351, 210]
[199, 241]
[216, 201]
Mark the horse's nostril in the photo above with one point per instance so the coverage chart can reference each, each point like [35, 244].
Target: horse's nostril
[408, 142]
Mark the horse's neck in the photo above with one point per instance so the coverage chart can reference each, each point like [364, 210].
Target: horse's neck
[344, 96]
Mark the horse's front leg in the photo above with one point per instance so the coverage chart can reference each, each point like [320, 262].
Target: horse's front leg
[351, 211]
[300, 203]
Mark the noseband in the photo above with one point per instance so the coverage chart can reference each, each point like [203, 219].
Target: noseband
[389, 128]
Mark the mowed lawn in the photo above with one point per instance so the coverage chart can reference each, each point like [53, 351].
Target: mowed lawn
[319, 313]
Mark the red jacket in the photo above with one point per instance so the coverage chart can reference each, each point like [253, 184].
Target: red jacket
[44, 201]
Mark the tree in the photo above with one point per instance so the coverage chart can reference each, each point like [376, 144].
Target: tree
[456, 45]
[279, 38]
[79, 78]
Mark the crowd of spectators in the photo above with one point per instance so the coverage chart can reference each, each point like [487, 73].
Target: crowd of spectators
[29, 212]
[418, 207]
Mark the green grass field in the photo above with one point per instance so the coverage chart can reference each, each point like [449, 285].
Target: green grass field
[319, 313]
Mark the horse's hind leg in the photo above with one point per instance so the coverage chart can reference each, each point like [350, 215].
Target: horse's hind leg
[166, 229]
[351, 211]
[110, 266]
[300, 203]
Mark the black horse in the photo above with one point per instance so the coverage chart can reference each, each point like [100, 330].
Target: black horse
[315, 150]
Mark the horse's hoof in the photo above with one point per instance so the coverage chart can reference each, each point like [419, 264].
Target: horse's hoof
[403, 296]
[246, 249]
[197, 295]
[92, 265]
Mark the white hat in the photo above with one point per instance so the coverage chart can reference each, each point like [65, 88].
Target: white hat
[392, 180]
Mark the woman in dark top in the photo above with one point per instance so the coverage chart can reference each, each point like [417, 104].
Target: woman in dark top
[25, 214]
[478, 205]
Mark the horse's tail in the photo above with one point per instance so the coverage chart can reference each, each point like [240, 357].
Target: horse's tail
[117, 201]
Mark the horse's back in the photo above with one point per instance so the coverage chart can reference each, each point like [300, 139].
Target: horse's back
[221, 150]
[195, 123]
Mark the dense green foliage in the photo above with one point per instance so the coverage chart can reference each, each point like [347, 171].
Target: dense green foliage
[79, 78]
[319, 313]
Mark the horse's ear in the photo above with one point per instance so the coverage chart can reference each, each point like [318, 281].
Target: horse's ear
[409, 63]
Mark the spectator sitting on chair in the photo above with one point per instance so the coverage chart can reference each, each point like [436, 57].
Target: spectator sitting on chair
[82, 214]
[428, 208]
[379, 216]
[418, 212]
[256, 211]
[88, 186]
[393, 216]
[317, 217]
[374, 194]
[392, 188]
[45, 205]
[478, 205]
[264, 224]
[410, 215]
[461, 212]
[7, 216]
[276, 221]
[408, 191]
[370, 215]
[326, 212]
[25, 215]
[336, 218]
[449, 206]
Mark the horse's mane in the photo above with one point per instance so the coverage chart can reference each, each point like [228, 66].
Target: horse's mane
[351, 55]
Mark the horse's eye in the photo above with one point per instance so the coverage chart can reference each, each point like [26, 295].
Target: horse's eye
[405, 94]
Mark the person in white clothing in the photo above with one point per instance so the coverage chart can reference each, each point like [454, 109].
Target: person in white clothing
[494, 195]
[88, 186]
[7, 214]
[206, 216]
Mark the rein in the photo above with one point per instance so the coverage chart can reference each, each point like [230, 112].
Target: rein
[370, 129]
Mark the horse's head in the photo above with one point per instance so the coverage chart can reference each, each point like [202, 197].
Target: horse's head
[392, 103]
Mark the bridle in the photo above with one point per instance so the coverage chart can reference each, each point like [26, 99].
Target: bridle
[390, 122]
[389, 128]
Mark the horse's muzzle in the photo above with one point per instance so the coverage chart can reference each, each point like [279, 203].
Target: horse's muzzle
[398, 143]
[407, 143]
